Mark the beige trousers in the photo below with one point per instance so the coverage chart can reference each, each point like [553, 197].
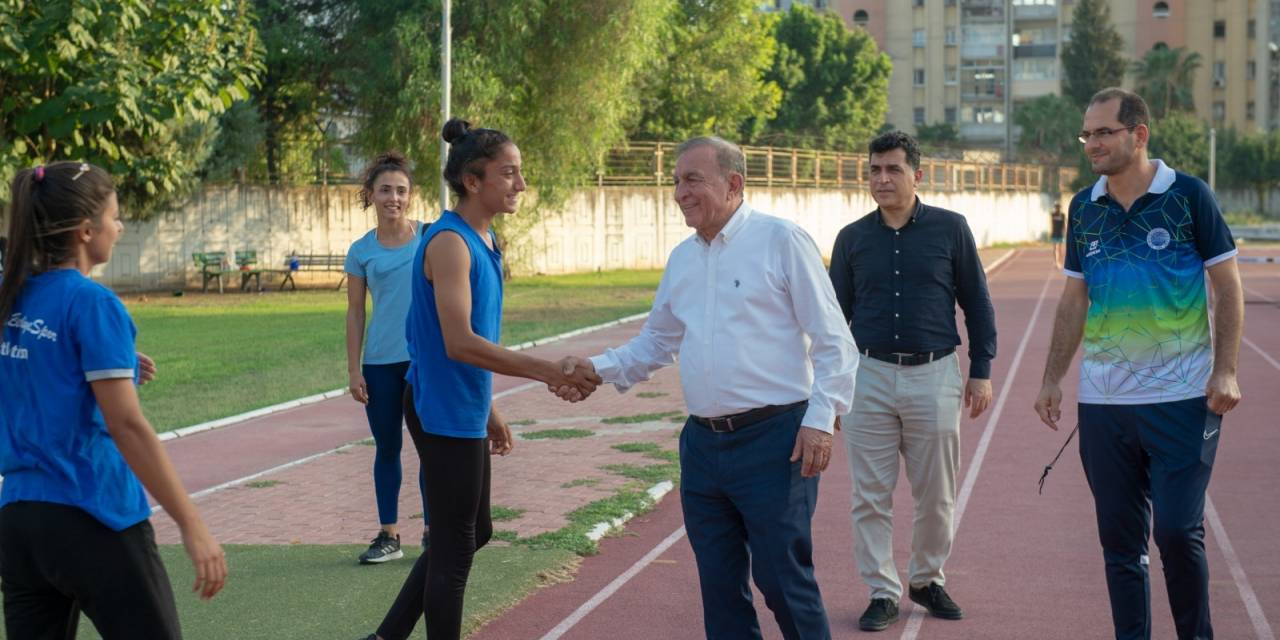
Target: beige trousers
[913, 411]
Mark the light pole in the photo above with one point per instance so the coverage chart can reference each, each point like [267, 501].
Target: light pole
[445, 89]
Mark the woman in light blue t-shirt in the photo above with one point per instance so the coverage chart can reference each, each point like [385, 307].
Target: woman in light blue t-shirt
[75, 448]
[380, 263]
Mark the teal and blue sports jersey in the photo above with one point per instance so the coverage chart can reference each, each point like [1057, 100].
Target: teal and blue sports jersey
[66, 331]
[453, 398]
[1147, 336]
[387, 274]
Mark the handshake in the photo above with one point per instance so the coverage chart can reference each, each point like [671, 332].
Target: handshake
[574, 380]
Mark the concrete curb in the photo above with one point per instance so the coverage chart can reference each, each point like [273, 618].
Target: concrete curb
[656, 493]
[291, 404]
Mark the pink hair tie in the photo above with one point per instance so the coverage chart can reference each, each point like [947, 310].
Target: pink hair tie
[40, 173]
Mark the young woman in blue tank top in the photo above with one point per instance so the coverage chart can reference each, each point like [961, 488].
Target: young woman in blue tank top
[380, 264]
[75, 533]
[453, 331]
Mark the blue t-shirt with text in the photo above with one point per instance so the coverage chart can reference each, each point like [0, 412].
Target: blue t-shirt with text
[64, 332]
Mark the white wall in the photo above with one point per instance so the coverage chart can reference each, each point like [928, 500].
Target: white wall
[599, 228]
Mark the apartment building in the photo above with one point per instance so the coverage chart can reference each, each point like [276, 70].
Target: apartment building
[972, 62]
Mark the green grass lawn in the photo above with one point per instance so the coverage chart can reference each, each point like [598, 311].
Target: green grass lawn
[318, 591]
[223, 354]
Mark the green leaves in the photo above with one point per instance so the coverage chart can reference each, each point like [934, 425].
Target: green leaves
[116, 81]
[1094, 58]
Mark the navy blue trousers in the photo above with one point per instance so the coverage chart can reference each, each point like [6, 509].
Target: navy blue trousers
[1145, 460]
[747, 509]
[385, 411]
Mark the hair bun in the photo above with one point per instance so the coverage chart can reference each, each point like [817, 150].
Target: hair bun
[454, 129]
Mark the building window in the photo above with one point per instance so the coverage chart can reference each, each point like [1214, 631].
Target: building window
[1249, 110]
[1219, 74]
[953, 75]
[951, 37]
[917, 38]
[1219, 111]
[861, 18]
[1160, 10]
[951, 114]
[1219, 28]
[919, 77]
[1252, 29]
[1251, 70]
[918, 3]
[918, 115]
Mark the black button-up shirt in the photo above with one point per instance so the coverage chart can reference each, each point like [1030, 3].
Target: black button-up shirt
[898, 287]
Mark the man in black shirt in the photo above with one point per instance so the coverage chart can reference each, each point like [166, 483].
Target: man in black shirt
[899, 272]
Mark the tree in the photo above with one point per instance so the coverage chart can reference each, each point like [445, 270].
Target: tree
[708, 73]
[557, 75]
[1093, 59]
[126, 84]
[939, 135]
[1049, 124]
[1164, 78]
[835, 83]
[1182, 141]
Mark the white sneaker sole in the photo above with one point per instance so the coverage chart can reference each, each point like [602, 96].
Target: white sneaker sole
[394, 555]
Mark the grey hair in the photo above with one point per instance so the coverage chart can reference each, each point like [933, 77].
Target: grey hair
[728, 155]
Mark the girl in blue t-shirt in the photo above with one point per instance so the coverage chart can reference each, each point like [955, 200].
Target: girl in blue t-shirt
[75, 448]
[453, 331]
[381, 263]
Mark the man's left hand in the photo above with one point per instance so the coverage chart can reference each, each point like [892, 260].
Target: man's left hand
[814, 448]
[977, 396]
[1222, 393]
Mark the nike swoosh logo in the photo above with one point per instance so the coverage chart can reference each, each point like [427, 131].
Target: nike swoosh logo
[1210, 434]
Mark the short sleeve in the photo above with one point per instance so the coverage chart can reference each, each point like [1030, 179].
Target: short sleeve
[354, 263]
[1213, 238]
[105, 335]
[1071, 263]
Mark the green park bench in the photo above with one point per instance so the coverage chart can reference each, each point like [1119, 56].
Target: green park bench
[212, 265]
[313, 262]
[248, 263]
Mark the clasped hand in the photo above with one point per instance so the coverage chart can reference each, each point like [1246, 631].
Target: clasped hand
[575, 380]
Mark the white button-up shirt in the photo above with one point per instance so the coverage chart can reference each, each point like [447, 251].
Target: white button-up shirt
[755, 322]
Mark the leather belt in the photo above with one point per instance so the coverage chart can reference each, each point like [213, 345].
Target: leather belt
[725, 424]
[908, 359]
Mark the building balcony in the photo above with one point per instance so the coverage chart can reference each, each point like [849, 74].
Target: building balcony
[974, 132]
[1035, 12]
[1036, 51]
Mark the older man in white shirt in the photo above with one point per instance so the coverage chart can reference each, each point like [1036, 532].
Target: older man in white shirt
[767, 365]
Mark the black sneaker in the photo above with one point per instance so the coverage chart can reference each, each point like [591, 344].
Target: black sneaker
[383, 548]
[881, 613]
[935, 599]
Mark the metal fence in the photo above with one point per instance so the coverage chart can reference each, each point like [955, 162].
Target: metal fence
[652, 163]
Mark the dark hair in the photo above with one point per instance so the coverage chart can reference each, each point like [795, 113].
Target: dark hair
[46, 204]
[891, 140]
[386, 161]
[469, 150]
[728, 155]
[1133, 109]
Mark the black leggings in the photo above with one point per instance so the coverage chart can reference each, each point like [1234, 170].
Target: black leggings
[57, 560]
[457, 478]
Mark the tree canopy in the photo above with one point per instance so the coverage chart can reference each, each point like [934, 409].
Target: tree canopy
[130, 85]
[1165, 78]
[1094, 58]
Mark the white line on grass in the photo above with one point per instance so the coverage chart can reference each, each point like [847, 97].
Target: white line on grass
[276, 408]
[611, 588]
[971, 477]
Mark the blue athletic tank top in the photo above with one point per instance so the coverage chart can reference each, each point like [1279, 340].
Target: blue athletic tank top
[452, 398]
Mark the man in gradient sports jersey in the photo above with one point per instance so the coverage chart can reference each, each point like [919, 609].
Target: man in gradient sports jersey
[1155, 379]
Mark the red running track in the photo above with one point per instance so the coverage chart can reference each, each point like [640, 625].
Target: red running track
[1023, 565]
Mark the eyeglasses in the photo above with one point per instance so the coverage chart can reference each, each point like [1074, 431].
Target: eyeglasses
[1101, 133]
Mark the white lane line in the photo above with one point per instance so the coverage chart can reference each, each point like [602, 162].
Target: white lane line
[1265, 356]
[999, 261]
[971, 476]
[1259, 294]
[1259, 619]
[611, 588]
[254, 476]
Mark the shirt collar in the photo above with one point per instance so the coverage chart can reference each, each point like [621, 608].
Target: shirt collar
[1159, 184]
[916, 214]
[737, 220]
